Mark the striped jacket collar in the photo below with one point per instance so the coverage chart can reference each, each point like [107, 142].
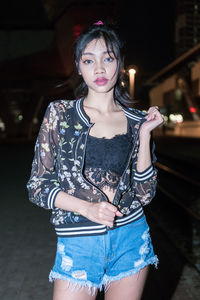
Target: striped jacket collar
[131, 113]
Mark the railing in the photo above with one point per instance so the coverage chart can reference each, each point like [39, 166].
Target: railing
[181, 227]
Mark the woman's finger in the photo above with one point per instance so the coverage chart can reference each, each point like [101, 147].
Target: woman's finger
[152, 109]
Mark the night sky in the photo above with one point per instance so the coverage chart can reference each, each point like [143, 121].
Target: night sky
[148, 30]
[147, 27]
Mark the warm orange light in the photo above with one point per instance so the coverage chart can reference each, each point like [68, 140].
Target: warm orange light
[132, 71]
[193, 109]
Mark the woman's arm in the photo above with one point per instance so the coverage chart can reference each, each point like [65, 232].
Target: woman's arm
[102, 212]
[153, 119]
[43, 184]
[144, 152]
[145, 176]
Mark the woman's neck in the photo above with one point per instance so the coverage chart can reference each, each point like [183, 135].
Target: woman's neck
[101, 102]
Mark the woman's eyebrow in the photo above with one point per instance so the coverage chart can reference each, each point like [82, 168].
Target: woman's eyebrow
[90, 53]
[87, 53]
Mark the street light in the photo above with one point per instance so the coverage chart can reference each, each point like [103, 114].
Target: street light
[132, 72]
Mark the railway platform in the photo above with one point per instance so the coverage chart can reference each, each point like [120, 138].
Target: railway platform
[28, 242]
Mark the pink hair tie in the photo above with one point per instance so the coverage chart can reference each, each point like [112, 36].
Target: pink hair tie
[98, 23]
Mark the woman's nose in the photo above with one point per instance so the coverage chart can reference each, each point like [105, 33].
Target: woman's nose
[99, 68]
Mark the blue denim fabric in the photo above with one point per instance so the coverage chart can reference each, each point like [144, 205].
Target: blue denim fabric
[96, 261]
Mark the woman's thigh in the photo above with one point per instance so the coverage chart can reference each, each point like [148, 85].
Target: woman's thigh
[129, 288]
[64, 290]
[79, 268]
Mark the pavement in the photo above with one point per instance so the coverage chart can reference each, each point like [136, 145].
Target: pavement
[28, 242]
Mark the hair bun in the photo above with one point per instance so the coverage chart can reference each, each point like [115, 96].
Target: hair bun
[98, 23]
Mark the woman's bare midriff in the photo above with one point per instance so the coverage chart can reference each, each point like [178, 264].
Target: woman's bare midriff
[109, 193]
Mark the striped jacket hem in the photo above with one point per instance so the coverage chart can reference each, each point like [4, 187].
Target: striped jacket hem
[91, 228]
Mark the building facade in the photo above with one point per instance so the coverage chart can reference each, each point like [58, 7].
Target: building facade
[176, 90]
[187, 25]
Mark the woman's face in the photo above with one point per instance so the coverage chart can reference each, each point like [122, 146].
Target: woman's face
[98, 67]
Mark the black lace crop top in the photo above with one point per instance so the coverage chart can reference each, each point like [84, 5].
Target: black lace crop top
[106, 159]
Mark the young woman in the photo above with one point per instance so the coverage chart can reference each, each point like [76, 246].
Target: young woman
[93, 167]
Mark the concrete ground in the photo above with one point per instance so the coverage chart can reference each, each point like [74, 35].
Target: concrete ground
[28, 242]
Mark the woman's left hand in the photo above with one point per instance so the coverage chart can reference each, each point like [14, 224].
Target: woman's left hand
[153, 120]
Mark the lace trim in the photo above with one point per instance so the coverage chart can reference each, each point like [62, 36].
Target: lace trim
[102, 178]
[108, 154]
[108, 139]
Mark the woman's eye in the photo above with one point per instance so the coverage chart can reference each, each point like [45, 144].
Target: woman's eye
[87, 61]
[109, 59]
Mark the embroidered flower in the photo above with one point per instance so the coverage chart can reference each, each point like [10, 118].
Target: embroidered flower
[76, 219]
[78, 126]
[42, 153]
[64, 124]
[47, 190]
[76, 133]
[45, 147]
[62, 131]
[82, 146]
[77, 162]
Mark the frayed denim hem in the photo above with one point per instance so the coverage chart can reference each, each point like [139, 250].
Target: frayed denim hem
[107, 280]
[75, 284]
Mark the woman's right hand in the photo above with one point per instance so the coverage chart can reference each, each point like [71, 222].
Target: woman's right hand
[102, 212]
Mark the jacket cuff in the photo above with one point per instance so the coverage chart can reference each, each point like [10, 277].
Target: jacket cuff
[52, 196]
[144, 175]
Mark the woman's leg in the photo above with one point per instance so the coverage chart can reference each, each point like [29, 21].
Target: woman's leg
[64, 291]
[129, 288]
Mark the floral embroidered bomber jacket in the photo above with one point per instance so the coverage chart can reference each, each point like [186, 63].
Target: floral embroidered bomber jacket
[58, 166]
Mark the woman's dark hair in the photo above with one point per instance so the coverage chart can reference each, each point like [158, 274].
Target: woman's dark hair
[113, 43]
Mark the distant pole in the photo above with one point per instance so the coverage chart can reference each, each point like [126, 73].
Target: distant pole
[131, 82]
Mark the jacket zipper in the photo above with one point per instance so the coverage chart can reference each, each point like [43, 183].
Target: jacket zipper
[88, 182]
[83, 160]
[126, 165]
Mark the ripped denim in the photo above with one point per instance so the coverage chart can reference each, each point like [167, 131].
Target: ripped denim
[96, 261]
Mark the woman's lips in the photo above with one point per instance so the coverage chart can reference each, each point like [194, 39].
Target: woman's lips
[101, 81]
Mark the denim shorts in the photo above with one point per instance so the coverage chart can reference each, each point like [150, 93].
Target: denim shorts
[96, 261]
